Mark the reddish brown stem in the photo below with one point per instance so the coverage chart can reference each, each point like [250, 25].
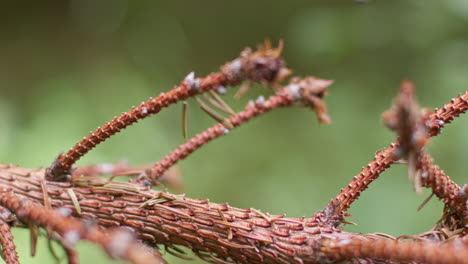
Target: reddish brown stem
[286, 96]
[217, 231]
[447, 113]
[443, 187]
[72, 256]
[213, 132]
[72, 230]
[8, 245]
[333, 212]
[394, 250]
[261, 66]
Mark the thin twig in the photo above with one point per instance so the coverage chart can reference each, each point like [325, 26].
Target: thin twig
[8, 245]
[333, 212]
[443, 187]
[394, 250]
[72, 256]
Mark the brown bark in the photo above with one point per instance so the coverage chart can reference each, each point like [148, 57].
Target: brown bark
[216, 231]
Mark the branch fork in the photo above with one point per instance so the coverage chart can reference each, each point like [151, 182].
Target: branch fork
[128, 219]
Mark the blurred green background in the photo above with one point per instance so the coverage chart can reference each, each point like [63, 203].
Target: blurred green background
[67, 67]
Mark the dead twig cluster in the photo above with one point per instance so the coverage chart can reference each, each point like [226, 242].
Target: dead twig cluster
[131, 221]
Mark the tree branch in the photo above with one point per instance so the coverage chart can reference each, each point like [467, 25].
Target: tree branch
[333, 212]
[72, 230]
[263, 65]
[8, 245]
[299, 91]
[216, 230]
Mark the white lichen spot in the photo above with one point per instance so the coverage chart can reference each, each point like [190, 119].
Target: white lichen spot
[235, 67]
[120, 242]
[344, 242]
[5, 214]
[424, 174]
[221, 89]
[440, 123]
[144, 111]
[295, 89]
[64, 211]
[225, 131]
[260, 100]
[106, 168]
[191, 81]
[463, 191]
[190, 77]
[70, 238]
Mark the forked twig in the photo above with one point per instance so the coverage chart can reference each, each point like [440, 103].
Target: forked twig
[263, 65]
[220, 233]
[409, 121]
[333, 212]
[299, 91]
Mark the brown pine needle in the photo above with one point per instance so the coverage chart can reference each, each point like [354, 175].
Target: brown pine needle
[216, 104]
[45, 195]
[425, 201]
[184, 120]
[222, 102]
[52, 251]
[33, 235]
[212, 113]
[242, 90]
[74, 200]
[344, 221]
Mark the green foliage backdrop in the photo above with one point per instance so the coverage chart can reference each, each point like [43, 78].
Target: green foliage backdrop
[68, 66]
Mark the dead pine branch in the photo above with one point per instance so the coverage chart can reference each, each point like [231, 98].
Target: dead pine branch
[119, 244]
[6, 240]
[297, 92]
[130, 221]
[384, 158]
[264, 65]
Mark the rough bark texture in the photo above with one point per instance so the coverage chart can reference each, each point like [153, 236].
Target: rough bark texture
[218, 231]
